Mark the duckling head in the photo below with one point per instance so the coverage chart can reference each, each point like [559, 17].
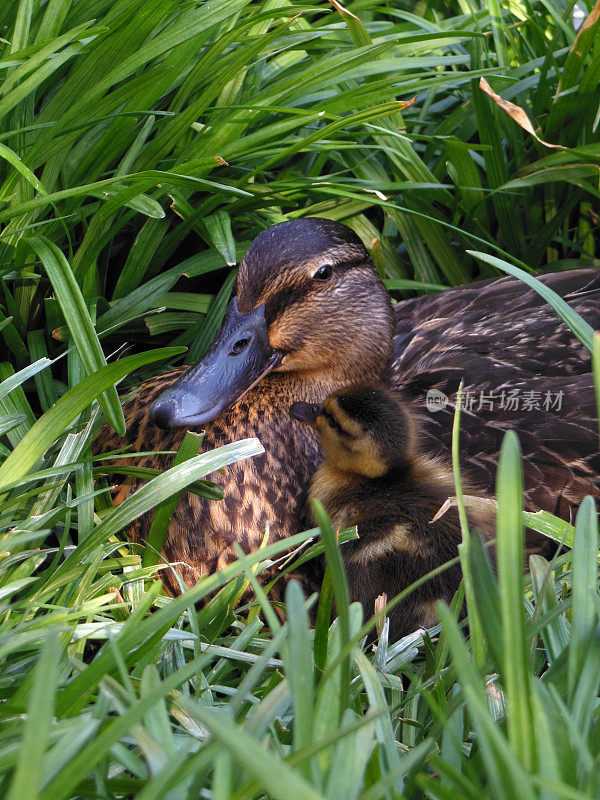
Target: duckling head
[364, 430]
[307, 302]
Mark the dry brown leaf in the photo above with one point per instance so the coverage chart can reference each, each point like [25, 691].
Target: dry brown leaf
[450, 502]
[472, 501]
[577, 49]
[514, 112]
[380, 603]
[340, 9]
[406, 103]
[588, 22]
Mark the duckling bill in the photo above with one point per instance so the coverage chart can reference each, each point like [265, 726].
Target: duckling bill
[374, 475]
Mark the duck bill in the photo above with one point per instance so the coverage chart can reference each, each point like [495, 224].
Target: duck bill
[306, 413]
[238, 359]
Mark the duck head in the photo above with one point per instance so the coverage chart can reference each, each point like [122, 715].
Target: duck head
[363, 430]
[307, 301]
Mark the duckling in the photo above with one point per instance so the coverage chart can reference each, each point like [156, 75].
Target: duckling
[375, 475]
[310, 316]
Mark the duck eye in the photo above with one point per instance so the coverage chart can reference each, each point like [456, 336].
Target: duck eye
[239, 346]
[324, 272]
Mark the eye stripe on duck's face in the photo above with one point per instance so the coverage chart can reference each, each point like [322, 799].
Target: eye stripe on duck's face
[344, 420]
[340, 421]
[298, 281]
[288, 295]
[353, 451]
[283, 299]
[337, 266]
[302, 284]
[333, 423]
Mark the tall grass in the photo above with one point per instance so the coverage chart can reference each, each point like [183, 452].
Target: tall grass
[142, 145]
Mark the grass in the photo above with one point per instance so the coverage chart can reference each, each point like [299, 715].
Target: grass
[142, 146]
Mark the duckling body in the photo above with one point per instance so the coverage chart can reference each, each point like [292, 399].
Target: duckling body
[311, 316]
[376, 476]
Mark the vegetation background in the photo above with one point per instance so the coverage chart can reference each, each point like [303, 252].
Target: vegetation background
[143, 144]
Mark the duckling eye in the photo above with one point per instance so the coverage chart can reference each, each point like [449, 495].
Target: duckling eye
[333, 423]
[324, 272]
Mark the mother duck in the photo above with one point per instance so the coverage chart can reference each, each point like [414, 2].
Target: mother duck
[311, 315]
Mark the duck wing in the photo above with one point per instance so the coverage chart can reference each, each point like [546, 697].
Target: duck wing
[522, 369]
[501, 326]
[557, 429]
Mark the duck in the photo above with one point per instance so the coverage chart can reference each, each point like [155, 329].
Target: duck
[309, 316]
[375, 475]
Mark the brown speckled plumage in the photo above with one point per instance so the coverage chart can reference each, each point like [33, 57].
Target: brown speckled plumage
[202, 532]
[494, 333]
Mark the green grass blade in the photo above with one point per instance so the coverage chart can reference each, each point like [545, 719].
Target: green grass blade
[203, 334]
[54, 422]
[485, 591]
[555, 633]
[162, 516]
[90, 754]
[9, 384]
[279, 780]
[383, 723]
[78, 319]
[27, 778]
[503, 773]
[585, 581]
[341, 594]
[581, 329]
[23, 169]
[510, 550]
[218, 226]
[596, 366]
[299, 667]
[164, 486]
[465, 546]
